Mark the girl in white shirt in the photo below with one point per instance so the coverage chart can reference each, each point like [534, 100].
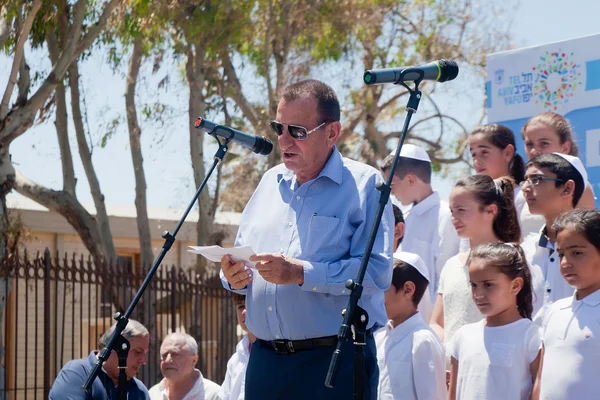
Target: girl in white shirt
[547, 133]
[494, 153]
[571, 330]
[483, 211]
[498, 357]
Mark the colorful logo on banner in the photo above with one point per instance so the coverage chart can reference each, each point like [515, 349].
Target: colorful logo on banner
[557, 78]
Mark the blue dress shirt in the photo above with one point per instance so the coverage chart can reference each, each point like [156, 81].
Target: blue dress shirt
[325, 223]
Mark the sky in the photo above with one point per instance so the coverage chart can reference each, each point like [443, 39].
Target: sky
[166, 147]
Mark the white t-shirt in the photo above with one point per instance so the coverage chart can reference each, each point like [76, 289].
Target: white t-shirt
[571, 334]
[203, 390]
[494, 362]
[430, 234]
[411, 362]
[235, 378]
[455, 288]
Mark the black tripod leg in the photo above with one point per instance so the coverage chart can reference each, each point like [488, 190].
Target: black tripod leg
[360, 374]
[122, 350]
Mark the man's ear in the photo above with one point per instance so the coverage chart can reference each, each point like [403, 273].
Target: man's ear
[195, 360]
[333, 132]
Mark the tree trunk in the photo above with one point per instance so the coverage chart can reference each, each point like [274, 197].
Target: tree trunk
[195, 75]
[135, 133]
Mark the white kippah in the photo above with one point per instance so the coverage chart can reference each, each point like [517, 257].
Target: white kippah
[414, 260]
[414, 152]
[576, 162]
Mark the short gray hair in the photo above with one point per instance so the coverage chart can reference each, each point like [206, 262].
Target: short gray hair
[191, 343]
[133, 329]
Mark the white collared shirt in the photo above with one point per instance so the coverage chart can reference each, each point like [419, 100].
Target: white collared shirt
[203, 390]
[494, 363]
[411, 361]
[235, 378]
[548, 284]
[429, 233]
[571, 335]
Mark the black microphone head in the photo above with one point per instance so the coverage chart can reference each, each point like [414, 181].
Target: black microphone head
[262, 146]
[449, 70]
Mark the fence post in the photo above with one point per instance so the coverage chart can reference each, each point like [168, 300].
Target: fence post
[47, 323]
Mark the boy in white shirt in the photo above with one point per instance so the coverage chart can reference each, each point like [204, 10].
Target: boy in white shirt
[233, 386]
[553, 185]
[411, 357]
[571, 329]
[428, 223]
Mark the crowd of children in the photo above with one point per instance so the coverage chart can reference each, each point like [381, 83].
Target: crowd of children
[496, 294]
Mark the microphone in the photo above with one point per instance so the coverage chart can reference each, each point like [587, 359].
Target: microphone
[258, 144]
[439, 71]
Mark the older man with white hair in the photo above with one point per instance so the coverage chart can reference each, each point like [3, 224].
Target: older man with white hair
[182, 381]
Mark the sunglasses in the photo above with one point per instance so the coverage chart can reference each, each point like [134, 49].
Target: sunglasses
[296, 131]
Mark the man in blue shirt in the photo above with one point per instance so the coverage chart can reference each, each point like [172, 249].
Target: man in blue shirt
[69, 382]
[309, 220]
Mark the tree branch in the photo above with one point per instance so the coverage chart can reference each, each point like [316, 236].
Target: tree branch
[19, 51]
[5, 25]
[135, 146]
[237, 95]
[67, 206]
[20, 119]
[85, 155]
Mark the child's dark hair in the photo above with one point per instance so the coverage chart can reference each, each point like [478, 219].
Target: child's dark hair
[500, 136]
[500, 192]
[585, 222]
[238, 298]
[510, 259]
[398, 217]
[404, 272]
[563, 170]
[558, 124]
[421, 169]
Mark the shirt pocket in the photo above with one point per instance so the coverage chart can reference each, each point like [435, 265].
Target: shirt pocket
[322, 239]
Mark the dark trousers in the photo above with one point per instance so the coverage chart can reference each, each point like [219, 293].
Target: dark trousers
[302, 375]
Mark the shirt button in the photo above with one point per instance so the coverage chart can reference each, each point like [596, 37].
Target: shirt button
[270, 308]
[281, 250]
[548, 290]
[315, 289]
[552, 260]
[297, 197]
[343, 291]
[290, 223]
[277, 337]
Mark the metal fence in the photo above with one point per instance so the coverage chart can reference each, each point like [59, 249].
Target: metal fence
[56, 309]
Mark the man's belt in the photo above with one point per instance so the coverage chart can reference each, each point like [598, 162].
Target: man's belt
[293, 346]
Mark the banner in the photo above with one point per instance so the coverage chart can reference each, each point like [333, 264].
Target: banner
[562, 77]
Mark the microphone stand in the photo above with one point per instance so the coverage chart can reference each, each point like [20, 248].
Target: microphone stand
[354, 315]
[117, 341]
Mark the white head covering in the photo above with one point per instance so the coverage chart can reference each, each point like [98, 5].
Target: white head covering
[414, 260]
[576, 162]
[415, 152]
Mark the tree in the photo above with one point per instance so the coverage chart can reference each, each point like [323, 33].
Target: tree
[292, 39]
[18, 21]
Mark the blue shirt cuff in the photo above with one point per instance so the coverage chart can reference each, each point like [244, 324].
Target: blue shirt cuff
[315, 279]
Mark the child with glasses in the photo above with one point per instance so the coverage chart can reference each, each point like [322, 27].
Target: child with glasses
[571, 329]
[548, 133]
[553, 185]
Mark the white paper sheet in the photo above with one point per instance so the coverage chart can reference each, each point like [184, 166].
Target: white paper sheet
[216, 253]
